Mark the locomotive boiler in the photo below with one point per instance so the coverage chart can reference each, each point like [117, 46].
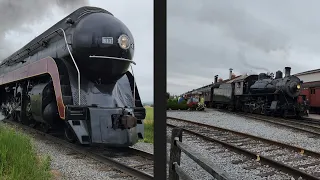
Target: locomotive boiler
[289, 85]
[76, 77]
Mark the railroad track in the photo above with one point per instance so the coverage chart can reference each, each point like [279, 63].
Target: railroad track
[303, 125]
[296, 161]
[307, 125]
[130, 161]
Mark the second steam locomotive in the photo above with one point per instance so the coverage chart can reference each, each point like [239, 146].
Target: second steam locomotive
[75, 78]
[261, 94]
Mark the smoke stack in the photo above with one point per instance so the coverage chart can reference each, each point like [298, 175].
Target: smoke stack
[287, 71]
[230, 73]
[215, 78]
[279, 75]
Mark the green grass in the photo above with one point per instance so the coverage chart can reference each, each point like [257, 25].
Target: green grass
[148, 126]
[18, 159]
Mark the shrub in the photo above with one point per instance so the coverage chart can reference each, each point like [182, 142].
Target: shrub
[173, 105]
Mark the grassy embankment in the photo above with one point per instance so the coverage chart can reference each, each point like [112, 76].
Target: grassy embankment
[148, 125]
[18, 158]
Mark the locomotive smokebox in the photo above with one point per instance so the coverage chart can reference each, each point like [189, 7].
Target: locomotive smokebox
[102, 46]
[279, 75]
[215, 78]
[287, 71]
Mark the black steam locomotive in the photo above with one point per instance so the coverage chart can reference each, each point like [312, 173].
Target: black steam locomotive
[75, 77]
[260, 94]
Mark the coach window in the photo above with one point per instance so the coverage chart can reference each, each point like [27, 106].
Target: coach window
[312, 91]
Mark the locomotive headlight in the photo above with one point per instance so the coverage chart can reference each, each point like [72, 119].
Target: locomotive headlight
[298, 86]
[124, 41]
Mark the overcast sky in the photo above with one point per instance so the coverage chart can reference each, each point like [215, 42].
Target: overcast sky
[207, 37]
[24, 20]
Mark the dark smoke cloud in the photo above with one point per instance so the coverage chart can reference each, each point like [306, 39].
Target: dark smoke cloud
[15, 15]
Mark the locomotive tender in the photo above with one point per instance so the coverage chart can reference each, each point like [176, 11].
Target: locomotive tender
[74, 78]
[260, 94]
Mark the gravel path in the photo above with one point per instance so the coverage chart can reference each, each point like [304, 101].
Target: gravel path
[251, 126]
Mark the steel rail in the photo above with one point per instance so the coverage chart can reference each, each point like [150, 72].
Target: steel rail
[295, 148]
[283, 121]
[294, 171]
[273, 120]
[96, 156]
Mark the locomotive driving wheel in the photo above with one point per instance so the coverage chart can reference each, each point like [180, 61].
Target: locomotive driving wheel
[285, 114]
[45, 127]
[13, 109]
[31, 122]
[16, 116]
[69, 134]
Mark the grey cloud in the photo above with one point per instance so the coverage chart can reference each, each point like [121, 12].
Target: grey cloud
[239, 24]
[207, 37]
[15, 15]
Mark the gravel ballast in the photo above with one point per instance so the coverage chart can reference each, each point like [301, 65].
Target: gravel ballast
[250, 126]
[68, 164]
[147, 147]
[235, 165]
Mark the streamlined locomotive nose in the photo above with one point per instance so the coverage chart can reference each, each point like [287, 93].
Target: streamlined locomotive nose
[103, 46]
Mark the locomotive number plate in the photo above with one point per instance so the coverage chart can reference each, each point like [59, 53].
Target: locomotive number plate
[107, 40]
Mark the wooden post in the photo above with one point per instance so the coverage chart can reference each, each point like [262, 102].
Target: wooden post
[175, 153]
